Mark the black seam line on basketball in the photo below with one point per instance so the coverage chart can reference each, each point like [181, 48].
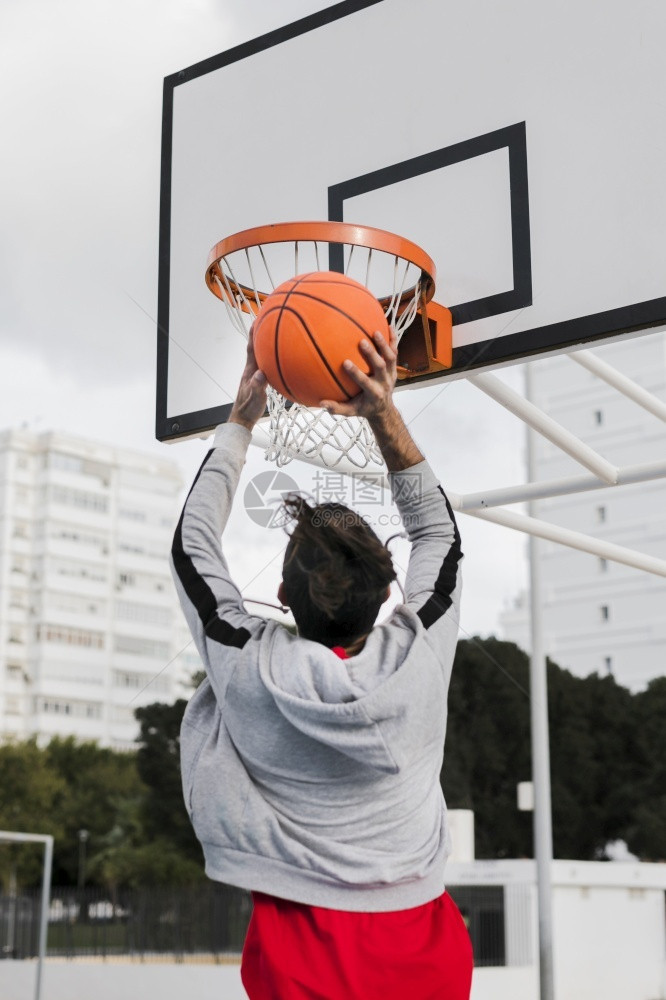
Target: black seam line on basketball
[282, 308]
[197, 589]
[286, 385]
[324, 302]
[306, 330]
[290, 292]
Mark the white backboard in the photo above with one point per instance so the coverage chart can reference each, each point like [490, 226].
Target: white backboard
[522, 145]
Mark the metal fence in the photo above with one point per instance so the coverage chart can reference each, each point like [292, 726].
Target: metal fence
[202, 923]
[207, 921]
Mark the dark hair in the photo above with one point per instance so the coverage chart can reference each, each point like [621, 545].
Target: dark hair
[335, 571]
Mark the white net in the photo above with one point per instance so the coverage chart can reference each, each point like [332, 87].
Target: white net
[244, 278]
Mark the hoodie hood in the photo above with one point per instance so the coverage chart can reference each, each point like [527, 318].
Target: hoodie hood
[350, 705]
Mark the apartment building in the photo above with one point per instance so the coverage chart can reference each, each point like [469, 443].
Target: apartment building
[89, 623]
[598, 615]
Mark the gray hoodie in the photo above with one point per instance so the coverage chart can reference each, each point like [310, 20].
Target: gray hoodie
[306, 776]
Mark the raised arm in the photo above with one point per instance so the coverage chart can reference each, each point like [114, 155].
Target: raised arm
[211, 601]
[433, 584]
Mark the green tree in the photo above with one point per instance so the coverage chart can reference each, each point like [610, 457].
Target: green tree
[488, 744]
[127, 858]
[607, 751]
[29, 795]
[595, 761]
[646, 832]
[97, 784]
[158, 762]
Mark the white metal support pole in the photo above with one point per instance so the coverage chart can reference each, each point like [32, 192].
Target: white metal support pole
[535, 418]
[618, 380]
[44, 912]
[47, 840]
[543, 836]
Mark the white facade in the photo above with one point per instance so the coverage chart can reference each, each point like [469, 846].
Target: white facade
[88, 614]
[600, 616]
[608, 929]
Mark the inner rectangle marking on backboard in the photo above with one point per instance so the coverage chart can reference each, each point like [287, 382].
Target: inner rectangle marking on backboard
[445, 164]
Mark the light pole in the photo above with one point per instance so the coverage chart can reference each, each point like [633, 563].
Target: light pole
[83, 840]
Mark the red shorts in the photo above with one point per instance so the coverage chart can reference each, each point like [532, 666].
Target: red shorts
[298, 952]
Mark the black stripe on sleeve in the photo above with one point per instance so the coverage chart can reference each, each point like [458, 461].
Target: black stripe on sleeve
[198, 591]
[440, 601]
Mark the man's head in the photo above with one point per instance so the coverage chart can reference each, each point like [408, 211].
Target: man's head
[336, 572]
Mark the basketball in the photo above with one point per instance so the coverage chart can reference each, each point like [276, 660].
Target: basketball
[307, 327]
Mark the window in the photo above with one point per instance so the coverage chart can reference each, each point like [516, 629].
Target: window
[608, 664]
[133, 612]
[125, 679]
[67, 463]
[142, 581]
[133, 515]
[80, 571]
[18, 599]
[604, 612]
[79, 498]
[138, 646]
[75, 604]
[56, 707]
[601, 513]
[70, 636]
[64, 533]
[603, 565]
[598, 417]
[82, 709]
[141, 547]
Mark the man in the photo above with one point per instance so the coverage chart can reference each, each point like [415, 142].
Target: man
[311, 763]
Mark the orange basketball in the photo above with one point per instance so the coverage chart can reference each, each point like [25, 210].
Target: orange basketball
[305, 330]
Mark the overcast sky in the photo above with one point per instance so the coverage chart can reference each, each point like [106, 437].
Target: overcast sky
[81, 120]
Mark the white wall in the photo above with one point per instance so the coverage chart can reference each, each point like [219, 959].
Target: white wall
[609, 935]
[609, 930]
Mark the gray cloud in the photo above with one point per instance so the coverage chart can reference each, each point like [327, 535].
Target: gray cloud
[79, 197]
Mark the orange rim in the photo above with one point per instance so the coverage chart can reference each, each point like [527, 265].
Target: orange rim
[322, 232]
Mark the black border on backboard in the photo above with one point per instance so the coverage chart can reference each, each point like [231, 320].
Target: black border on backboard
[513, 139]
[511, 347]
[170, 428]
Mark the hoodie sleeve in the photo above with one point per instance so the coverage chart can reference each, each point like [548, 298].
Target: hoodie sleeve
[211, 601]
[433, 584]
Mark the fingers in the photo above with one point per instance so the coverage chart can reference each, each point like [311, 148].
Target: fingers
[388, 347]
[380, 353]
[339, 409]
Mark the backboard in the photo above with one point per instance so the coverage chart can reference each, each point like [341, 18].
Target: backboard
[522, 145]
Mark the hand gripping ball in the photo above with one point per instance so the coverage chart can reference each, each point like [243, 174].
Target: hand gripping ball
[307, 327]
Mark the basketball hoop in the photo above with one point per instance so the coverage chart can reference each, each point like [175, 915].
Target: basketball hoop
[245, 268]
